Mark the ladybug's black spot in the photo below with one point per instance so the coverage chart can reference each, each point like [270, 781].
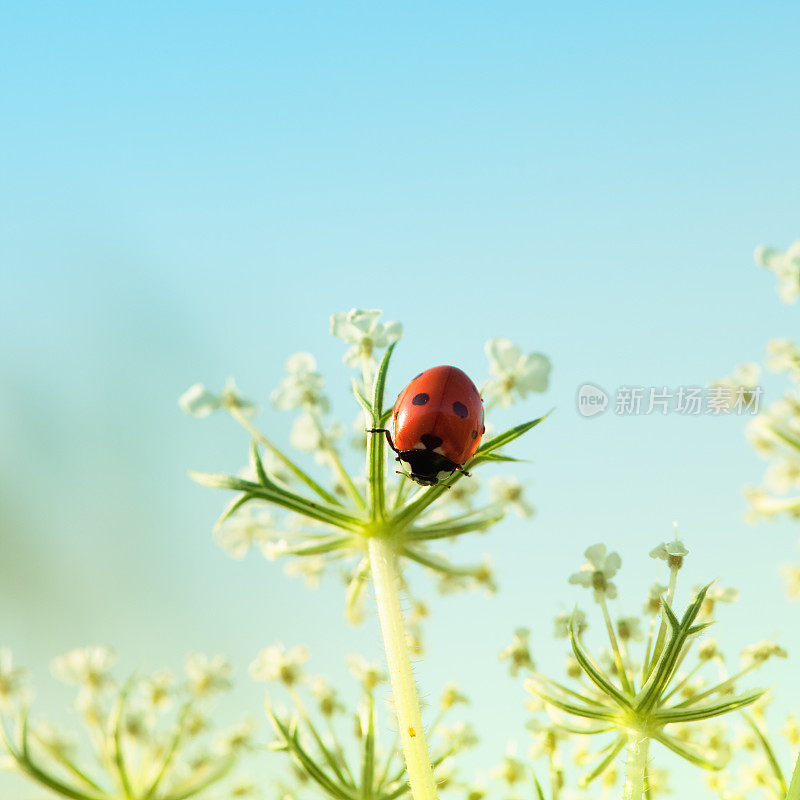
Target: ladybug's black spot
[397, 415]
[430, 441]
[474, 434]
[420, 399]
[460, 409]
[483, 429]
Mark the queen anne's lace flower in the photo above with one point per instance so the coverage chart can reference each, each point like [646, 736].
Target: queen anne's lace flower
[597, 572]
[276, 663]
[760, 652]
[361, 329]
[302, 387]
[564, 619]
[197, 401]
[508, 492]
[13, 682]
[158, 691]
[208, 676]
[518, 653]
[89, 667]
[786, 268]
[250, 526]
[366, 673]
[307, 434]
[516, 374]
[672, 552]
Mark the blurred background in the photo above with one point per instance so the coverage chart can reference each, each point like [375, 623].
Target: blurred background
[189, 190]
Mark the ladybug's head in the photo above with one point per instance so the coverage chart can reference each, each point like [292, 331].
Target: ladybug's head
[426, 467]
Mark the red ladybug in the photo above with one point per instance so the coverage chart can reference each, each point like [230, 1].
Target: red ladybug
[436, 424]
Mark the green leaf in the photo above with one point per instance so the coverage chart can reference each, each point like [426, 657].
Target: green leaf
[499, 457]
[692, 714]
[258, 464]
[508, 436]
[282, 497]
[455, 527]
[691, 754]
[668, 662]
[362, 400]
[594, 672]
[308, 764]
[538, 787]
[571, 708]
[368, 752]
[380, 381]
[615, 749]
[768, 752]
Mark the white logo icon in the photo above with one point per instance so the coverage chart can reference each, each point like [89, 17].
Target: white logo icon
[591, 400]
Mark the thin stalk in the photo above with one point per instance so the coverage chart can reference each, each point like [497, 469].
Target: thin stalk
[386, 580]
[612, 637]
[662, 630]
[635, 766]
[287, 462]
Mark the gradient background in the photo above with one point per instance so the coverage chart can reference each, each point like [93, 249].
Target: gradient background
[190, 189]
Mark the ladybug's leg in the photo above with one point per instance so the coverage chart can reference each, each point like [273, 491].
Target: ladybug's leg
[463, 471]
[388, 436]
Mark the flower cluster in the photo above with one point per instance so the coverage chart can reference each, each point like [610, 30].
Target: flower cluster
[658, 696]
[785, 265]
[151, 736]
[338, 750]
[326, 526]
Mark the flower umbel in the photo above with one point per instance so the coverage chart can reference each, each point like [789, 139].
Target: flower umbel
[145, 733]
[376, 525]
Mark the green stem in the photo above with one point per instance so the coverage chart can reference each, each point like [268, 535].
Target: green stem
[386, 580]
[636, 766]
[794, 786]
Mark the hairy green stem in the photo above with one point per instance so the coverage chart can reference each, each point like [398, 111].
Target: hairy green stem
[386, 580]
[636, 766]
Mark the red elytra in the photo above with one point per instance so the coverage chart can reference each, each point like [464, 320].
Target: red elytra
[437, 424]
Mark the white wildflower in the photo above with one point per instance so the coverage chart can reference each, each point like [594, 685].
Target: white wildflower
[89, 667]
[362, 329]
[672, 552]
[630, 628]
[785, 266]
[237, 738]
[208, 675]
[597, 572]
[302, 387]
[516, 374]
[762, 651]
[14, 690]
[276, 663]
[367, 674]
[197, 401]
[508, 492]
[247, 527]
[518, 652]
[158, 691]
[563, 620]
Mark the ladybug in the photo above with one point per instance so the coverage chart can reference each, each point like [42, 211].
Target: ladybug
[436, 424]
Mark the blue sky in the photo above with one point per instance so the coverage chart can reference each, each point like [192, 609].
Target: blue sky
[189, 190]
